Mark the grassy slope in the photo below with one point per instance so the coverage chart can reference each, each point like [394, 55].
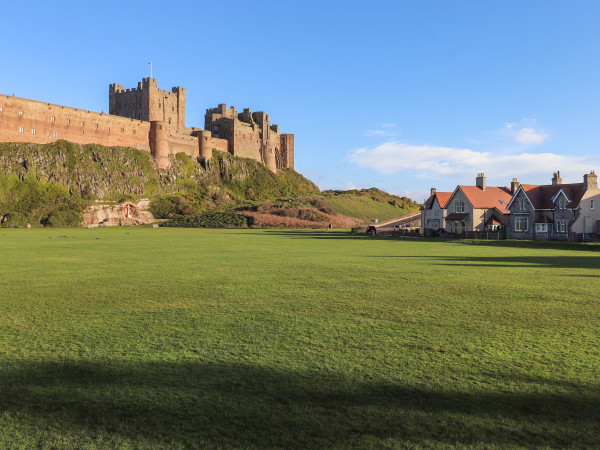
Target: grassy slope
[184, 337]
[366, 208]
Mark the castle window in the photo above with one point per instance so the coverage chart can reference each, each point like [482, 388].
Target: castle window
[33, 131]
[1, 109]
[55, 134]
[122, 130]
[68, 121]
[169, 121]
[95, 126]
[20, 129]
[159, 104]
[52, 119]
[20, 113]
[82, 124]
[172, 108]
[133, 131]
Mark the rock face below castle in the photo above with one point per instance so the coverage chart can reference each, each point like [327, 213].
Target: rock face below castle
[150, 119]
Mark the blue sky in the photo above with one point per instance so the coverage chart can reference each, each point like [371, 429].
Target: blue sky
[402, 95]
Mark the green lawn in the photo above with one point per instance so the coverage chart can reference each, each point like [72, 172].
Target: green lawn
[142, 337]
[366, 208]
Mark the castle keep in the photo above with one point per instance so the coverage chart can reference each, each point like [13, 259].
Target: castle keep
[150, 119]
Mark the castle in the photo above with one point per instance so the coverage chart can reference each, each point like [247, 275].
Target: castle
[149, 119]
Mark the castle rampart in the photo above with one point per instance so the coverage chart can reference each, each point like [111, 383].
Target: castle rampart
[149, 119]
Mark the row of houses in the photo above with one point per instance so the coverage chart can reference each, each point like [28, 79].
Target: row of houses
[524, 211]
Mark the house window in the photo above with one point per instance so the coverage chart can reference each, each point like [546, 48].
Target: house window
[521, 223]
[493, 227]
[561, 226]
[541, 227]
[592, 204]
[20, 129]
[521, 204]
[459, 206]
[562, 203]
[52, 119]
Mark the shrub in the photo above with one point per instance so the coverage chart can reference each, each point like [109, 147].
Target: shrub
[210, 220]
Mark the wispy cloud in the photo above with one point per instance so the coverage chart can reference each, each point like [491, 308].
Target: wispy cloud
[432, 161]
[384, 130]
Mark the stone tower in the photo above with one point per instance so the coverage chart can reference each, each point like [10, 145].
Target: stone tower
[148, 103]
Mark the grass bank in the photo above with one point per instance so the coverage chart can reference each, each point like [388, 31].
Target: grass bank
[143, 337]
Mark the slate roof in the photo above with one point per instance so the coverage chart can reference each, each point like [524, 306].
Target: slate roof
[457, 216]
[541, 196]
[493, 197]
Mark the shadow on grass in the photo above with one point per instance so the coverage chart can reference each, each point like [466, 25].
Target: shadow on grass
[559, 262]
[338, 234]
[225, 405]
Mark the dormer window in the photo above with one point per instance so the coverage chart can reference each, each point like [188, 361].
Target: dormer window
[561, 203]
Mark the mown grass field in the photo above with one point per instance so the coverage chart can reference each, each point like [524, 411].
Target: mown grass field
[141, 337]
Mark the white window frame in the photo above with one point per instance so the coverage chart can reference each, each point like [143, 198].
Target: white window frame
[562, 226]
[21, 130]
[522, 204]
[592, 203]
[33, 131]
[52, 119]
[561, 203]
[521, 224]
[541, 227]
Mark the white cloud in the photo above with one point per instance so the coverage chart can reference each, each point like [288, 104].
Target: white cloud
[350, 185]
[526, 131]
[431, 161]
[530, 136]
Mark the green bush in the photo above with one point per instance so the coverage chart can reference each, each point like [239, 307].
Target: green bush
[210, 220]
[37, 202]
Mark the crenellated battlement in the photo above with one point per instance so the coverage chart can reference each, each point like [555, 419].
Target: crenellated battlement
[150, 119]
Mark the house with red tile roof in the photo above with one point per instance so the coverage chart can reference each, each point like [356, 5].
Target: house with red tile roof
[557, 210]
[478, 208]
[433, 212]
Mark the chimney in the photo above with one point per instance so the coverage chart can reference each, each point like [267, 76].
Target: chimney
[480, 181]
[590, 181]
[433, 191]
[514, 185]
[556, 179]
